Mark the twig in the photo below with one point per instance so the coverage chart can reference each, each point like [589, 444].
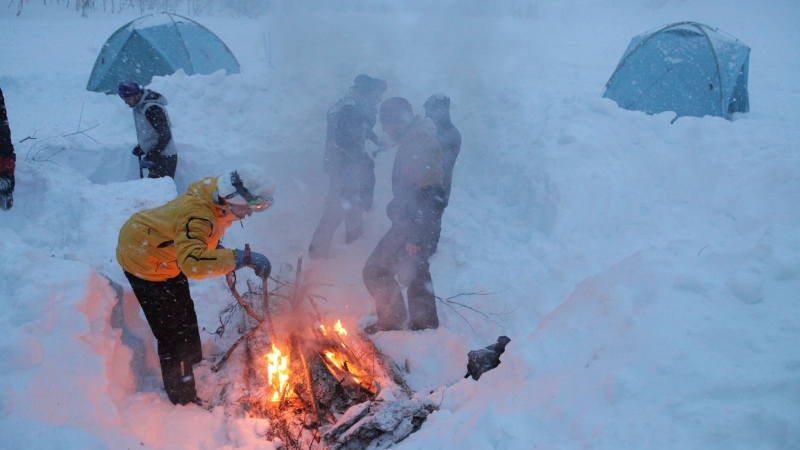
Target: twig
[267, 314]
[459, 314]
[298, 296]
[448, 301]
[83, 132]
[30, 137]
[241, 339]
[231, 278]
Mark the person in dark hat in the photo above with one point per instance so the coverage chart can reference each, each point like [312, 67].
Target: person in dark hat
[437, 108]
[160, 248]
[8, 159]
[350, 168]
[156, 149]
[401, 256]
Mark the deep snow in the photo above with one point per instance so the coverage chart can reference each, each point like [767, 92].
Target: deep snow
[646, 272]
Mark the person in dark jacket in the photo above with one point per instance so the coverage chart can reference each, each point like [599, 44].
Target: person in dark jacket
[8, 159]
[156, 149]
[415, 211]
[437, 108]
[350, 168]
[159, 249]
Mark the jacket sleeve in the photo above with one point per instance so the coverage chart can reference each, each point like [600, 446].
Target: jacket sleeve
[158, 119]
[194, 258]
[430, 202]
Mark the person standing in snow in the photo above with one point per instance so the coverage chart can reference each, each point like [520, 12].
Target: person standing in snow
[160, 248]
[8, 159]
[437, 108]
[350, 168]
[415, 211]
[156, 150]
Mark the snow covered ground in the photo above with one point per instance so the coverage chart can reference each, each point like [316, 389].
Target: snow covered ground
[647, 273]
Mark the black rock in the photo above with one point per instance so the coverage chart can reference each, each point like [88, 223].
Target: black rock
[485, 359]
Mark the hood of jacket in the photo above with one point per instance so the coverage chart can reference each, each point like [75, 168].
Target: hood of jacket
[149, 96]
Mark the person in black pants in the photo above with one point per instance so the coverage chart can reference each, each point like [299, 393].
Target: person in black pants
[415, 211]
[350, 168]
[160, 248]
[169, 310]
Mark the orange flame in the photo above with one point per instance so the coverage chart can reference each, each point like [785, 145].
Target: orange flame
[277, 372]
[339, 328]
[334, 359]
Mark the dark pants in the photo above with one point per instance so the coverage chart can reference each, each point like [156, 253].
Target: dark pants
[163, 166]
[367, 180]
[343, 204]
[169, 310]
[390, 263]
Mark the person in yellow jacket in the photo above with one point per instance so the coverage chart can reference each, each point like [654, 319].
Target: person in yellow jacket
[160, 248]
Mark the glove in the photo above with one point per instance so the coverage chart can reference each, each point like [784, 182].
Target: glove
[147, 164]
[137, 151]
[258, 262]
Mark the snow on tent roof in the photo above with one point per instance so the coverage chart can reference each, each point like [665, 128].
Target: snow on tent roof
[156, 45]
[686, 67]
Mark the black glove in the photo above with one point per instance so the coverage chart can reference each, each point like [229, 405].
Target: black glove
[256, 261]
[137, 151]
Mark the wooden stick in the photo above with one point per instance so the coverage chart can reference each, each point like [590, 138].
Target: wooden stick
[232, 286]
[242, 338]
[314, 407]
[267, 314]
[298, 292]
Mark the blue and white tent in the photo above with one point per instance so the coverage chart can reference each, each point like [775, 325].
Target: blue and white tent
[687, 67]
[157, 45]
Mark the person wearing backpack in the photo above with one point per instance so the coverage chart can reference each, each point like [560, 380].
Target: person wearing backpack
[156, 149]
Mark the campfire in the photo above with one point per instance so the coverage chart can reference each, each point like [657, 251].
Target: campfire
[317, 383]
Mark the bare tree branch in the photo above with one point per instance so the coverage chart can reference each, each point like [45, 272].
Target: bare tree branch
[453, 305]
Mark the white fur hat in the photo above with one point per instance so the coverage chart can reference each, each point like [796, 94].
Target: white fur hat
[254, 180]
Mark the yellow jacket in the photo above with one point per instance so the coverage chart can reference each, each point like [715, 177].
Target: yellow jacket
[182, 236]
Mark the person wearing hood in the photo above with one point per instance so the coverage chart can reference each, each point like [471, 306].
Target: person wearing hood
[8, 159]
[160, 248]
[437, 108]
[350, 168]
[156, 149]
[415, 211]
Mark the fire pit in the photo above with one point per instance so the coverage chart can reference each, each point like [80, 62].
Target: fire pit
[318, 384]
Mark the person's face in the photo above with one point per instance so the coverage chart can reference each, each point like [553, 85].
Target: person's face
[131, 101]
[240, 211]
[392, 129]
